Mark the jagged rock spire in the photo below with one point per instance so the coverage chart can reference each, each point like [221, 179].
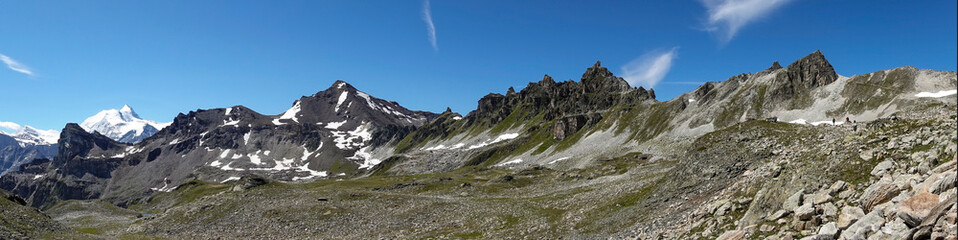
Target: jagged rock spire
[546, 79]
[600, 79]
[775, 66]
[812, 71]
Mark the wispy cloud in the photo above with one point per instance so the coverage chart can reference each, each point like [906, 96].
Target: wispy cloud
[650, 68]
[11, 126]
[683, 83]
[15, 66]
[427, 17]
[727, 17]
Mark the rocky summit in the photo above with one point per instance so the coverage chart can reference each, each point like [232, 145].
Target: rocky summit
[765, 155]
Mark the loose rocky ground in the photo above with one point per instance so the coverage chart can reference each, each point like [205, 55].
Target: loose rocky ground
[18, 221]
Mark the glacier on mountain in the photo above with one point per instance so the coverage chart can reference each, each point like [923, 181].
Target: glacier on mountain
[122, 125]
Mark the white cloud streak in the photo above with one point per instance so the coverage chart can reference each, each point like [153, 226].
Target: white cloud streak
[12, 126]
[15, 66]
[727, 17]
[650, 68]
[427, 17]
[684, 83]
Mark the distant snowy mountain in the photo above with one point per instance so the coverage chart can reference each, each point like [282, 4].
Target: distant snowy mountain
[122, 125]
[25, 143]
[27, 135]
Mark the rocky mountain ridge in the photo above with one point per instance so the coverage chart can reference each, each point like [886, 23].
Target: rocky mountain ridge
[335, 131]
[548, 123]
[14, 152]
[24, 145]
[122, 125]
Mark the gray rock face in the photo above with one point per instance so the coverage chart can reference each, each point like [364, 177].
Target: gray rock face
[872, 222]
[567, 126]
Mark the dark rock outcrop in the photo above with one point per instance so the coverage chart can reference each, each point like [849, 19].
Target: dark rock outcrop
[80, 170]
[566, 126]
[812, 71]
[791, 88]
[597, 91]
[775, 66]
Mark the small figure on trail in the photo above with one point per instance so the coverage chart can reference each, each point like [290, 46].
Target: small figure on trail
[855, 127]
[833, 121]
[846, 120]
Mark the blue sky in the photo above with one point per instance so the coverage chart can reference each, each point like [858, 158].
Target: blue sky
[67, 60]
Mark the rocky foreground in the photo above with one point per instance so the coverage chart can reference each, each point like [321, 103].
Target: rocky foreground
[908, 194]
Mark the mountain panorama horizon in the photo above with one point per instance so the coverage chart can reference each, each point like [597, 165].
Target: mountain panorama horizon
[783, 153]
[21, 127]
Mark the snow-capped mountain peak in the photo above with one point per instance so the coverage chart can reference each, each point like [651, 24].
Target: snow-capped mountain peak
[28, 135]
[122, 124]
[127, 113]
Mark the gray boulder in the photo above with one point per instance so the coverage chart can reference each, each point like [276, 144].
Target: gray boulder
[829, 210]
[945, 182]
[828, 231]
[805, 212]
[792, 202]
[914, 210]
[878, 193]
[849, 216]
[837, 187]
[882, 168]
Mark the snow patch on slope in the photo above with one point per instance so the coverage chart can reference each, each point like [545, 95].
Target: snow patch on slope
[943, 93]
[166, 186]
[335, 125]
[342, 98]
[514, 161]
[357, 138]
[291, 113]
[500, 138]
